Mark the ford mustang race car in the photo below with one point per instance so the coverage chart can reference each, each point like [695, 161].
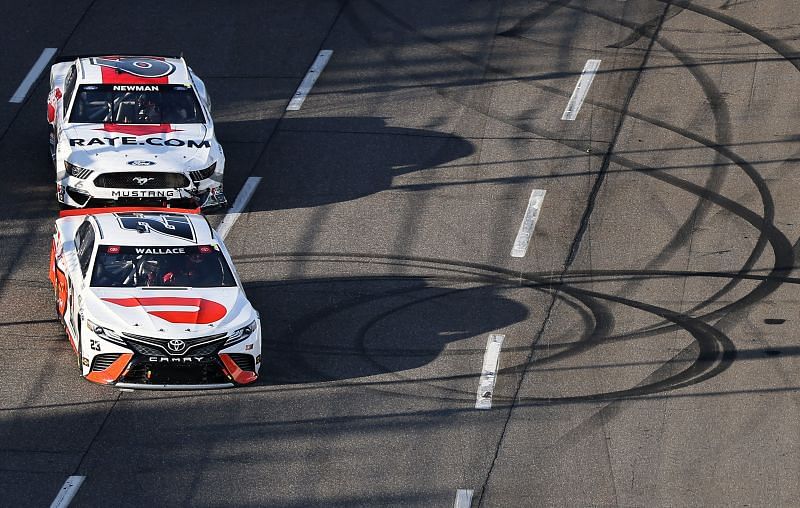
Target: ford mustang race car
[132, 130]
[149, 298]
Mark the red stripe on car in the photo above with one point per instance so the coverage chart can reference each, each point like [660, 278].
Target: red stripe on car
[115, 77]
[207, 311]
[138, 130]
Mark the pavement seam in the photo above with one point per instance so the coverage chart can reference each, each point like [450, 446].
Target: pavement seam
[575, 245]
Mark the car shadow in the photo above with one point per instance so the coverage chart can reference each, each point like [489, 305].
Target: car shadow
[325, 329]
[318, 161]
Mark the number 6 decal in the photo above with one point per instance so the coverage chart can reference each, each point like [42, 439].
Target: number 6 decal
[138, 66]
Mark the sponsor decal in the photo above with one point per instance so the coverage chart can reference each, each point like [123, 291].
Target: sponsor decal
[135, 88]
[157, 249]
[141, 163]
[185, 359]
[85, 361]
[203, 311]
[160, 250]
[131, 140]
[144, 194]
[143, 67]
[174, 225]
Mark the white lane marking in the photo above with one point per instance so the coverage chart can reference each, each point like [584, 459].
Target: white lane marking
[491, 359]
[242, 199]
[581, 90]
[67, 492]
[311, 77]
[33, 75]
[463, 498]
[528, 223]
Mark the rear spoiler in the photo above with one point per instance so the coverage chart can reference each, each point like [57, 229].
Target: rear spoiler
[116, 209]
[70, 58]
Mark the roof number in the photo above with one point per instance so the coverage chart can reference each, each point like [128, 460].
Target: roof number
[177, 226]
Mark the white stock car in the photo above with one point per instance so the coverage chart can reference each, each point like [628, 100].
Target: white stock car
[149, 298]
[133, 130]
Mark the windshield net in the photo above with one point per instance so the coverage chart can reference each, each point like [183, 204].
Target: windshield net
[136, 104]
[201, 266]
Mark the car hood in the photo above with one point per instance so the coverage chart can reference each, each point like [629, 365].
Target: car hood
[165, 147]
[177, 313]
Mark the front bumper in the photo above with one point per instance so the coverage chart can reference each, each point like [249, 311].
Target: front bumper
[135, 386]
[134, 370]
[78, 193]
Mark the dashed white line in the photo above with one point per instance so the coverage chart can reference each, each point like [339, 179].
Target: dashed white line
[525, 232]
[67, 492]
[491, 359]
[463, 498]
[581, 90]
[33, 75]
[308, 82]
[239, 205]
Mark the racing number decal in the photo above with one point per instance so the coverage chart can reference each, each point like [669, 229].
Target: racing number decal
[171, 225]
[203, 311]
[137, 66]
[94, 345]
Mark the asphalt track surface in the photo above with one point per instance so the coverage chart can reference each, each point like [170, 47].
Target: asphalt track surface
[651, 330]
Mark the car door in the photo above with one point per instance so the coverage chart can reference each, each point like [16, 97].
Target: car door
[57, 104]
[84, 243]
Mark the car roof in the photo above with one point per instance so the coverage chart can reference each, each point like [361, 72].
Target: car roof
[153, 228]
[130, 69]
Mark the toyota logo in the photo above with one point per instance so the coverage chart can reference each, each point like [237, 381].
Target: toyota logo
[176, 345]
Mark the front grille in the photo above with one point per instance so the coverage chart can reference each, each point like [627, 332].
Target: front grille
[244, 361]
[141, 180]
[143, 349]
[144, 371]
[104, 361]
[156, 346]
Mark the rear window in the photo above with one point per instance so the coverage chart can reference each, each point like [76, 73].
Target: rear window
[136, 104]
[201, 266]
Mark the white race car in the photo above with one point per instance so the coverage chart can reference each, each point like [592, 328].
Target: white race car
[133, 130]
[149, 298]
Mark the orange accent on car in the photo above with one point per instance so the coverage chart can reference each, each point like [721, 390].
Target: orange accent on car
[242, 377]
[119, 209]
[62, 292]
[52, 272]
[113, 371]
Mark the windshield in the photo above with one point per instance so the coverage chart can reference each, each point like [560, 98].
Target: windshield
[136, 104]
[201, 266]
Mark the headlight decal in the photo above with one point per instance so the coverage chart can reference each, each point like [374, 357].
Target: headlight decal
[77, 171]
[241, 334]
[105, 333]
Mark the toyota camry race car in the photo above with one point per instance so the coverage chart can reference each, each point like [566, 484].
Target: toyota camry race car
[149, 298]
[133, 130]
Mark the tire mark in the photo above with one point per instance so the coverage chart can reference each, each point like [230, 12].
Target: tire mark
[644, 29]
[544, 134]
[783, 49]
